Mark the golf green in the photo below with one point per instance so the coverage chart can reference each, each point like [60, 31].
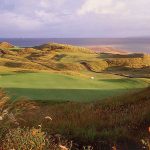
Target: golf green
[59, 87]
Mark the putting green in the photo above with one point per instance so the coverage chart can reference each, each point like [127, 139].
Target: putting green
[58, 87]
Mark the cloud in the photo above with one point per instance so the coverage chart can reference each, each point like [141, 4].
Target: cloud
[47, 17]
[12, 20]
[126, 8]
[102, 7]
[74, 18]
[30, 14]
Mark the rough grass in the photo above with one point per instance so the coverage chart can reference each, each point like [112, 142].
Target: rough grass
[5, 45]
[96, 66]
[114, 118]
[139, 62]
[63, 48]
[124, 118]
[60, 57]
[40, 73]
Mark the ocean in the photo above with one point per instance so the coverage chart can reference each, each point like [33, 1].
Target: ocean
[140, 45]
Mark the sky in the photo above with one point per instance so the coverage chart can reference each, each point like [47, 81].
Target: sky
[74, 18]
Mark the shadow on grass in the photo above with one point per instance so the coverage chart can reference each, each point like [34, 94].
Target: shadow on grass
[6, 74]
[123, 80]
[19, 71]
[63, 95]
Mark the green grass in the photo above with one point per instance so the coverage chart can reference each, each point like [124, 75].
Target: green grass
[59, 87]
[77, 57]
[15, 48]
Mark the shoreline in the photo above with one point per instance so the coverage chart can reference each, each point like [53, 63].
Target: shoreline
[108, 49]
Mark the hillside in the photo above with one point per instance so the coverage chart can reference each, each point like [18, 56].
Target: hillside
[62, 47]
[5, 45]
[121, 122]
[68, 96]
[70, 71]
[106, 49]
[61, 57]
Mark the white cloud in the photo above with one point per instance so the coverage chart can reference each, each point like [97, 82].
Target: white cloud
[11, 20]
[126, 8]
[47, 17]
[44, 3]
[70, 17]
[30, 14]
[102, 7]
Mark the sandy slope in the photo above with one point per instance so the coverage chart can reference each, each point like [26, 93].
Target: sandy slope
[107, 49]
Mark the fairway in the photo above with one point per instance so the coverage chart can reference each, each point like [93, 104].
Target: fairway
[59, 87]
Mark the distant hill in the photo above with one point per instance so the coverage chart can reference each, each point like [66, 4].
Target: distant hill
[54, 46]
[64, 47]
[61, 57]
[5, 45]
[106, 49]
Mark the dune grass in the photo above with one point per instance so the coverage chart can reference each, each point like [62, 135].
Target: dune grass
[79, 63]
[123, 120]
[59, 87]
[55, 77]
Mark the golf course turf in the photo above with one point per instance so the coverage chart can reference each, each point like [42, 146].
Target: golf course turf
[90, 98]
[59, 87]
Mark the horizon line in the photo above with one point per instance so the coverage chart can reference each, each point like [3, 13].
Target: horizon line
[73, 37]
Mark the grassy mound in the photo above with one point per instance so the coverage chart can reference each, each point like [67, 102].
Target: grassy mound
[139, 62]
[60, 57]
[96, 66]
[5, 45]
[62, 47]
[83, 66]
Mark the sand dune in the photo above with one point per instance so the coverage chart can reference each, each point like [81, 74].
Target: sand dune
[107, 49]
